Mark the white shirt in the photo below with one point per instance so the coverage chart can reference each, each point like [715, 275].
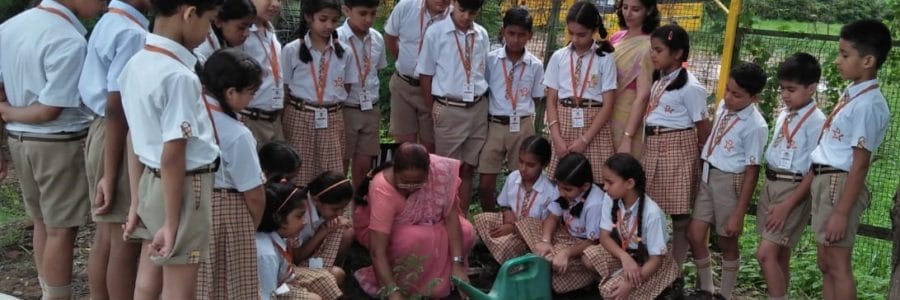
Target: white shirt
[441, 58]
[653, 224]
[272, 265]
[166, 106]
[743, 145]
[372, 43]
[297, 74]
[680, 108]
[115, 39]
[209, 46]
[587, 225]
[862, 123]
[527, 77]
[239, 167]
[804, 141]
[270, 96]
[513, 196]
[41, 55]
[602, 72]
[408, 21]
[313, 218]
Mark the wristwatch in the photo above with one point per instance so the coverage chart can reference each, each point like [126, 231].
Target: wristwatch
[458, 260]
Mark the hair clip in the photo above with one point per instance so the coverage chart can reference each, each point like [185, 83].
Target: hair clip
[670, 35]
[283, 180]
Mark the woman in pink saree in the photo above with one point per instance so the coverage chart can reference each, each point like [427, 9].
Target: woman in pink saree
[410, 221]
[637, 19]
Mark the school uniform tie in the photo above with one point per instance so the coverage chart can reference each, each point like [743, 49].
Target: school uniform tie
[578, 68]
[720, 133]
[787, 121]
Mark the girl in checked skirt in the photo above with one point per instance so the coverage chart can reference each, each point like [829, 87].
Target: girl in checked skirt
[581, 84]
[676, 126]
[632, 258]
[526, 195]
[318, 76]
[230, 79]
[572, 225]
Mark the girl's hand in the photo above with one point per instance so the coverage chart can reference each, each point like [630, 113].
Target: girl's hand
[625, 146]
[560, 146]
[543, 249]
[502, 230]
[560, 262]
[579, 145]
[459, 271]
[631, 271]
[621, 290]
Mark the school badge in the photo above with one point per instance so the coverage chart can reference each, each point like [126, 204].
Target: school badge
[186, 131]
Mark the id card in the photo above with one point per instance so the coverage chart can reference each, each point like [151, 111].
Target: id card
[366, 102]
[705, 175]
[515, 123]
[316, 263]
[469, 93]
[321, 118]
[578, 117]
[278, 97]
[283, 289]
[784, 159]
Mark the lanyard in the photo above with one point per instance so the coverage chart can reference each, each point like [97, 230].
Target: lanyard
[288, 255]
[789, 137]
[272, 58]
[718, 138]
[625, 234]
[209, 108]
[56, 12]
[127, 15]
[319, 82]
[575, 92]
[656, 93]
[367, 59]
[508, 77]
[840, 106]
[163, 51]
[423, 26]
[525, 201]
[467, 57]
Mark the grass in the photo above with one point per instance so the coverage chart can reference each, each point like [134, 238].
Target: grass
[10, 204]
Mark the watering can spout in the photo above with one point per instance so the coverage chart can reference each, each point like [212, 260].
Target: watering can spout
[473, 292]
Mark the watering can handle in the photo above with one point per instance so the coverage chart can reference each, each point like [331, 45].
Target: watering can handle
[473, 292]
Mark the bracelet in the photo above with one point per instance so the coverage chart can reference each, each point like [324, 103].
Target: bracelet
[545, 241]
[458, 260]
[554, 122]
[388, 290]
[628, 134]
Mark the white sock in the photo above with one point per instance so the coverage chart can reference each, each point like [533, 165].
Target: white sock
[729, 276]
[704, 273]
[43, 285]
[57, 293]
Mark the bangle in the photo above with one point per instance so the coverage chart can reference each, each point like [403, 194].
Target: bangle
[628, 134]
[554, 122]
[545, 241]
[458, 260]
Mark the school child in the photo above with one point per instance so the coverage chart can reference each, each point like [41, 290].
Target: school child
[731, 158]
[578, 210]
[676, 126]
[318, 74]
[850, 136]
[784, 208]
[514, 77]
[112, 264]
[263, 115]
[230, 29]
[581, 84]
[41, 49]
[632, 257]
[279, 162]
[175, 141]
[451, 69]
[411, 119]
[526, 194]
[230, 78]
[283, 218]
[362, 117]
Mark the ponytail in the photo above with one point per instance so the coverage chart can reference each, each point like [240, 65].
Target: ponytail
[603, 45]
[335, 42]
[362, 191]
[302, 30]
[309, 8]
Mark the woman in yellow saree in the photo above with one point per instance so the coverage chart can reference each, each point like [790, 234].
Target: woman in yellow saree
[637, 19]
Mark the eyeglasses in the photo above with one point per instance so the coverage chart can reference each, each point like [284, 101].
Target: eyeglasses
[410, 186]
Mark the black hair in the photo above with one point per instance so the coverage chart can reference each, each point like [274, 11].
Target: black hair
[363, 3]
[538, 146]
[675, 38]
[869, 37]
[230, 68]
[801, 68]
[409, 156]
[574, 169]
[170, 7]
[749, 76]
[278, 206]
[278, 160]
[519, 16]
[586, 14]
[651, 20]
[628, 167]
[470, 5]
[232, 10]
[308, 8]
[331, 187]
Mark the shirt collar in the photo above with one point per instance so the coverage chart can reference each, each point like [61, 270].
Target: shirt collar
[572, 49]
[345, 29]
[805, 108]
[538, 185]
[672, 75]
[524, 59]
[278, 239]
[447, 26]
[68, 13]
[632, 209]
[131, 11]
[854, 89]
[184, 55]
[308, 42]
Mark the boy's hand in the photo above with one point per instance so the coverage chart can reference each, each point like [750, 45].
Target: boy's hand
[131, 223]
[735, 226]
[543, 249]
[104, 196]
[560, 262]
[835, 228]
[163, 241]
[776, 216]
[622, 290]
[502, 230]
[631, 271]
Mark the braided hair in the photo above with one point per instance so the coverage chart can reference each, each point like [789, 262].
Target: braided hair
[308, 9]
[627, 167]
[586, 14]
[574, 169]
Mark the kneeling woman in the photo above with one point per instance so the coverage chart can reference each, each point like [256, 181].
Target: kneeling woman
[407, 213]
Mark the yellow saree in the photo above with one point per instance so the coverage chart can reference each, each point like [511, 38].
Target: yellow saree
[632, 60]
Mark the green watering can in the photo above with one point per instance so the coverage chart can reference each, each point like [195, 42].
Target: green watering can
[525, 277]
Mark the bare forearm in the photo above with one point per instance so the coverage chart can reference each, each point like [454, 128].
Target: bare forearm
[856, 179]
[454, 232]
[392, 44]
[116, 130]
[649, 267]
[751, 174]
[603, 117]
[172, 175]
[380, 262]
[425, 84]
[256, 203]
[309, 247]
[800, 192]
[611, 246]
[576, 250]
[548, 227]
[702, 132]
[33, 114]
[552, 113]
[135, 169]
[636, 115]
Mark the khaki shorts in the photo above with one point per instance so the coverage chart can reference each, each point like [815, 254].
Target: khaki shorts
[502, 144]
[51, 177]
[774, 192]
[409, 115]
[264, 131]
[460, 132]
[717, 199]
[94, 155]
[362, 136]
[826, 190]
[192, 237]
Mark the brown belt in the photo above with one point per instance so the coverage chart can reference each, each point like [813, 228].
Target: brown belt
[47, 137]
[259, 114]
[657, 130]
[408, 79]
[503, 120]
[208, 168]
[300, 104]
[585, 103]
[228, 191]
[819, 169]
[783, 176]
[457, 102]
